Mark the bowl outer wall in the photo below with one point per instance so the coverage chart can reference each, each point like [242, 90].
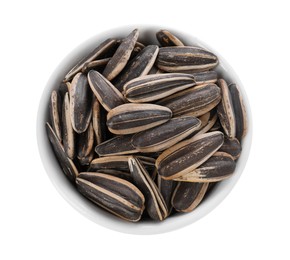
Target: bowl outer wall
[88, 209]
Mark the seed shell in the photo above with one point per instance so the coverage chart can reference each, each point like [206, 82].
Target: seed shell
[116, 195]
[162, 137]
[66, 163]
[225, 110]
[55, 113]
[137, 48]
[153, 87]
[231, 146]
[239, 110]
[117, 145]
[187, 155]
[205, 77]
[96, 119]
[132, 118]
[85, 142]
[138, 66]
[154, 202]
[166, 188]
[166, 38]
[105, 47]
[68, 132]
[217, 168]
[185, 58]
[108, 96]
[194, 101]
[121, 56]
[95, 65]
[81, 98]
[187, 196]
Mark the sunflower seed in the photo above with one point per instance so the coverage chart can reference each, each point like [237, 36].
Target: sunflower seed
[116, 195]
[132, 118]
[95, 65]
[117, 145]
[68, 132]
[205, 77]
[105, 47]
[138, 66]
[232, 146]
[162, 137]
[121, 56]
[166, 188]
[81, 98]
[117, 173]
[239, 110]
[166, 38]
[211, 121]
[226, 111]
[119, 162]
[108, 96]
[153, 87]
[185, 58]
[187, 196]
[217, 126]
[62, 89]
[55, 113]
[137, 48]
[96, 119]
[154, 70]
[154, 202]
[86, 160]
[194, 101]
[85, 142]
[217, 168]
[187, 155]
[66, 163]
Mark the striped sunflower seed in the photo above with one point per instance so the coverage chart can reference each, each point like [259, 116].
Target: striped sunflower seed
[154, 202]
[137, 48]
[205, 77]
[119, 162]
[153, 87]
[185, 58]
[62, 89]
[132, 118]
[225, 110]
[166, 38]
[139, 66]
[86, 160]
[187, 155]
[231, 146]
[96, 119]
[166, 188]
[118, 145]
[102, 50]
[239, 110]
[108, 96]
[211, 121]
[163, 136]
[217, 168]
[121, 56]
[187, 196]
[68, 132]
[66, 163]
[194, 101]
[117, 173]
[85, 142]
[81, 98]
[115, 195]
[55, 113]
[95, 65]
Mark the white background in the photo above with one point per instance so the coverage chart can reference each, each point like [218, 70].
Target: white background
[253, 222]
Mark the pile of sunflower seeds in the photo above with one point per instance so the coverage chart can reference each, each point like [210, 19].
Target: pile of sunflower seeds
[146, 130]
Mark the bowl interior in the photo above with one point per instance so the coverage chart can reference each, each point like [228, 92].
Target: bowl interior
[88, 209]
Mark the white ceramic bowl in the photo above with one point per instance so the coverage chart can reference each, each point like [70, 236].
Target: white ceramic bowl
[88, 209]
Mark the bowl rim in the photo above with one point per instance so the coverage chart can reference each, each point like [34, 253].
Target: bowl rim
[85, 207]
